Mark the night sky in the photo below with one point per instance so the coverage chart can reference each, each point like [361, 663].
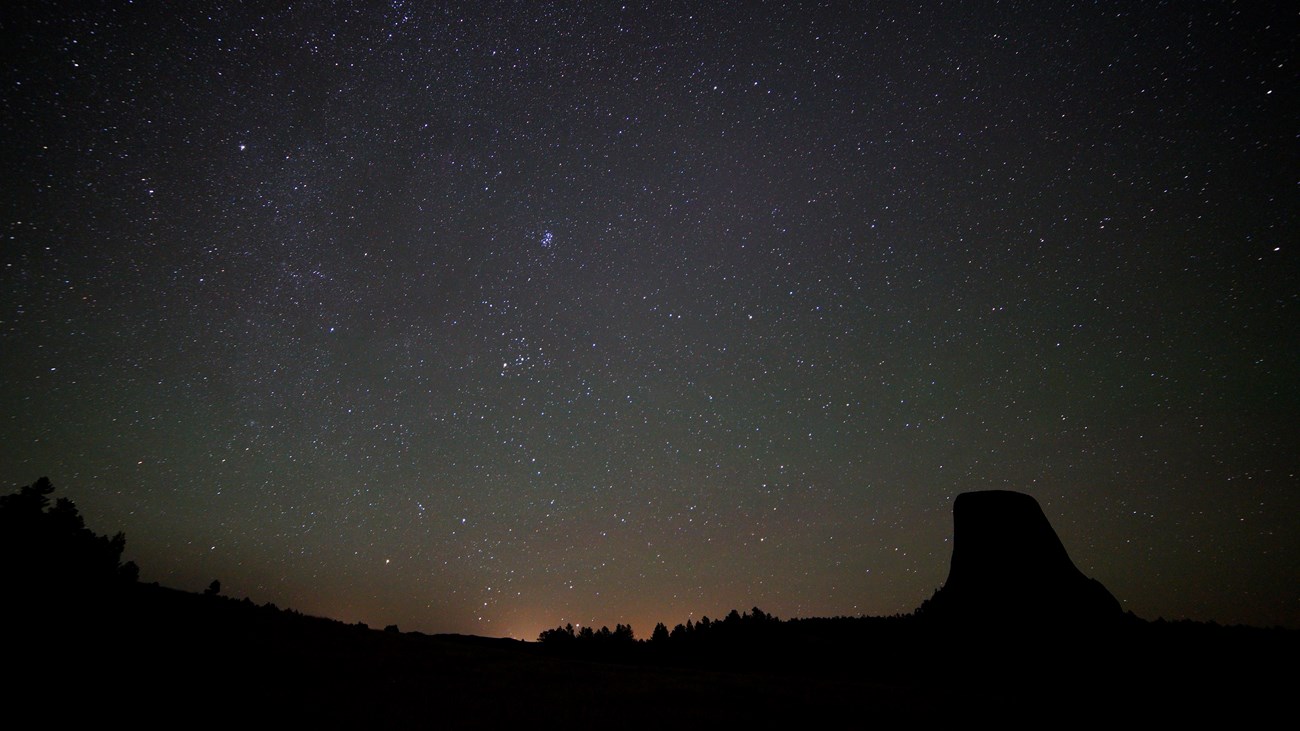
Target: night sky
[491, 317]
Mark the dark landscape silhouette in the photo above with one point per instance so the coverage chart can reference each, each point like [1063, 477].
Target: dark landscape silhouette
[1017, 631]
[1009, 565]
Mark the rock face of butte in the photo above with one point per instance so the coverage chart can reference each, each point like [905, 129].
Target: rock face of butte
[1008, 565]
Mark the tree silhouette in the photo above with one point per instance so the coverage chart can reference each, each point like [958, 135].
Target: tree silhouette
[47, 552]
[557, 636]
[660, 633]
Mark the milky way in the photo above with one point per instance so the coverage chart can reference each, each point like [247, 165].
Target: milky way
[495, 316]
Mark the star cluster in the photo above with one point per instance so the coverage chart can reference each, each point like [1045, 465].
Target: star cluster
[482, 317]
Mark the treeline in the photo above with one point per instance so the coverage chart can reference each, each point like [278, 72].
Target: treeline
[758, 641]
[734, 625]
[621, 633]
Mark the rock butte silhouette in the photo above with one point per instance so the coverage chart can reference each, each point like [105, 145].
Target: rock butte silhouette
[1009, 566]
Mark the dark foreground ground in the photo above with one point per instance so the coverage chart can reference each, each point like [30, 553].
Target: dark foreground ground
[153, 657]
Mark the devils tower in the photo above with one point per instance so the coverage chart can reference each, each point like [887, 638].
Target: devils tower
[1009, 566]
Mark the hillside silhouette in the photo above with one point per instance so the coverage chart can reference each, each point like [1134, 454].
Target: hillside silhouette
[86, 642]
